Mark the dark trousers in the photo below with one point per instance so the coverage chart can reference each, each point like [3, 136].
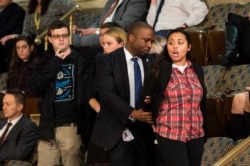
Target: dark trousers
[177, 153]
[138, 152]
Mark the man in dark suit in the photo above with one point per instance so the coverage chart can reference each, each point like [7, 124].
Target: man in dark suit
[121, 126]
[11, 22]
[124, 13]
[17, 140]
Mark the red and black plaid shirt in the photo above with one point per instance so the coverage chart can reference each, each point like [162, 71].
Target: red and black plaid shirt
[180, 117]
[20, 80]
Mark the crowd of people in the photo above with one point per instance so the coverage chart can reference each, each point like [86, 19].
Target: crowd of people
[125, 93]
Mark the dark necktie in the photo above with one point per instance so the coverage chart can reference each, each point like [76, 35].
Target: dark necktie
[137, 82]
[5, 132]
[158, 13]
[112, 8]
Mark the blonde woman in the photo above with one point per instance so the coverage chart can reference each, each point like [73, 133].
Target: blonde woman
[112, 39]
[158, 45]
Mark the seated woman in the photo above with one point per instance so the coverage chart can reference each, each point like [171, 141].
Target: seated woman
[21, 65]
[112, 39]
[240, 116]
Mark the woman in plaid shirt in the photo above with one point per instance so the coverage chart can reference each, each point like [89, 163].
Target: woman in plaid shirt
[21, 65]
[175, 91]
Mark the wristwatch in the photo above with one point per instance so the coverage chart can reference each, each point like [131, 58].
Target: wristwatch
[97, 31]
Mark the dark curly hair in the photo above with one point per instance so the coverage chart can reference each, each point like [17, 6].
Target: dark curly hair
[33, 4]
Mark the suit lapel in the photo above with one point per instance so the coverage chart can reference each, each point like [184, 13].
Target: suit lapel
[146, 60]
[15, 129]
[121, 73]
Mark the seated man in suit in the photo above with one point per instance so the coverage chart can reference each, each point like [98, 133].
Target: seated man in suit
[18, 135]
[123, 12]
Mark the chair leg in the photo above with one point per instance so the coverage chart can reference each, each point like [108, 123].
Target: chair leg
[237, 126]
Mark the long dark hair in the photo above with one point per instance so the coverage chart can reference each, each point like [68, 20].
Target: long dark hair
[187, 37]
[15, 61]
[33, 4]
[155, 68]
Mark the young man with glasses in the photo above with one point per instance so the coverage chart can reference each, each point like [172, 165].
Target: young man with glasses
[61, 79]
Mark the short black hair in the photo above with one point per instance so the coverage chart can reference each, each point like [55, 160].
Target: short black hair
[57, 25]
[18, 94]
[133, 29]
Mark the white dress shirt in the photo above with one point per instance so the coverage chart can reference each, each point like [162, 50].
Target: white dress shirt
[175, 13]
[130, 68]
[13, 122]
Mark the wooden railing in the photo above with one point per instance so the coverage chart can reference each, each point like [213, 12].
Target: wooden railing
[244, 145]
[68, 15]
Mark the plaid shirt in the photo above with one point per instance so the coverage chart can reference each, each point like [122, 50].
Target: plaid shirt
[180, 117]
[20, 80]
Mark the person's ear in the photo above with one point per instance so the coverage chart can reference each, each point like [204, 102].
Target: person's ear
[131, 37]
[49, 39]
[32, 47]
[189, 47]
[20, 107]
[121, 44]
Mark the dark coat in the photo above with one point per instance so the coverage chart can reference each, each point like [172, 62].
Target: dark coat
[113, 88]
[20, 142]
[11, 20]
[155, 86]
[43, 80]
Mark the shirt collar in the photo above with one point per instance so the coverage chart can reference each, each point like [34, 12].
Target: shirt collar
[15, 120]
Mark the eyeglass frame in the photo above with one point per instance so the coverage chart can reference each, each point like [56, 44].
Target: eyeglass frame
[63, 36]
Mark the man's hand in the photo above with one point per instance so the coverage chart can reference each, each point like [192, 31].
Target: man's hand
[84, 32]
[142, 116]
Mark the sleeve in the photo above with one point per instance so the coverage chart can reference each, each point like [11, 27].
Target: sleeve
[26, 24]
[151, 14]
[129, 16]
[133, 11]
[197, 11]
[14, 22]
[110, 91]
[44, 73]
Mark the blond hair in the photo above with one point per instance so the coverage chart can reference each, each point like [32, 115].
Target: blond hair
[118, 33]
[158, 45]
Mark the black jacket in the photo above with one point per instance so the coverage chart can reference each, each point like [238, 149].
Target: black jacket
[113, 88]
[21, 141]
[11, 20]
[154, 86]
[43, 83]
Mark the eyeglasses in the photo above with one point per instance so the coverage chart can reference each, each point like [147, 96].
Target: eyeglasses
[64, 36]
